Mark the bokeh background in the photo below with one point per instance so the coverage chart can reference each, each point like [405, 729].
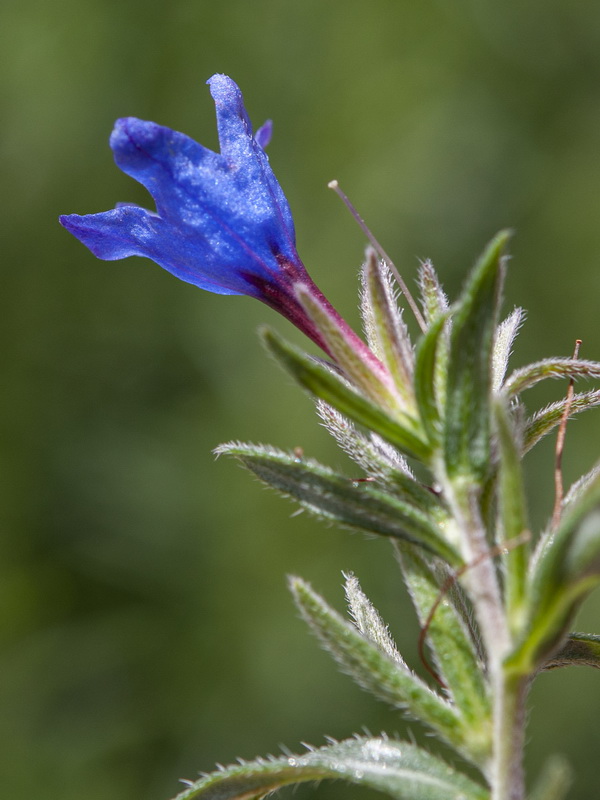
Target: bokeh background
[145, 627]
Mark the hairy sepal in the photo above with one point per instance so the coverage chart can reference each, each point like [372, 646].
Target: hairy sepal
[388, 335]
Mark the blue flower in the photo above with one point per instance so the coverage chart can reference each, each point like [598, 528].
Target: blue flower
[221, 222]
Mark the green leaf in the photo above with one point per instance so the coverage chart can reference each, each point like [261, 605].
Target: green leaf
[398, 769]
[580, 649]
[545, 420]
[528, 376]
[513, 513]
[426, 370]
[353, 504]
[567, 567]
[433, 297]
[450, 640]
[504, 337]
[387, 333]
[368, 620]
[376, 457]
[401, 430]
[467, 421]
[386, 678]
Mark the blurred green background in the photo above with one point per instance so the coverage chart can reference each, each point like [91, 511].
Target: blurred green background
[145, 627]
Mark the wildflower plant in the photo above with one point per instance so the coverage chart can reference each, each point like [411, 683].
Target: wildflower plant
[438, 428]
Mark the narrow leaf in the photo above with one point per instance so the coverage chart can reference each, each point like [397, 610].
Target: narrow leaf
[353, 504]
[401, 430]
[426, 369]
[379, 674]
[505, 336]
[513, 513]
[433, 297]
[580, 649]
[368, 620]
[377, 458]
[545, 420]
[567, 567]
[398, 769]
[528, 376]
[469, 368]
[581, 485]
[451, 642]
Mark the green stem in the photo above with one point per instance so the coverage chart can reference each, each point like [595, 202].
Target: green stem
[480, 579]
[507, 776]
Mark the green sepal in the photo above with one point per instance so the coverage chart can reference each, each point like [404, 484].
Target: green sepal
[376, 672]
[567, 568]
[359, 364]
[353, 504]
[399, 769]
[449, 637]
[388, 335]
[401, 430]
[580, 649]
[467, 418]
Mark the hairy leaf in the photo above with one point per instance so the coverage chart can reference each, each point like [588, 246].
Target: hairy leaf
[426, 369]
[400, 430]
[353, 504]
[580, 649]
[376, 457]
[512, 512]
[545, 420]
[433, 298]
[368, 620]
[398, 769]
[528, 376]
[504, 338]
[383, 676]
[449, 637]
[566, 568]
[467, 421]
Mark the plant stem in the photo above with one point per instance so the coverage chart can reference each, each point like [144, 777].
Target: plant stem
[508, 691]
[481, 580]
[507, 777]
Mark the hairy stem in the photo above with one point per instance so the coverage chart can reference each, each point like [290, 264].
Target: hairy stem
[481, 580]
[507, 776]
[508, 691]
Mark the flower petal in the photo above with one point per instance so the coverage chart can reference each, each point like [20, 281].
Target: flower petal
[133, 231]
